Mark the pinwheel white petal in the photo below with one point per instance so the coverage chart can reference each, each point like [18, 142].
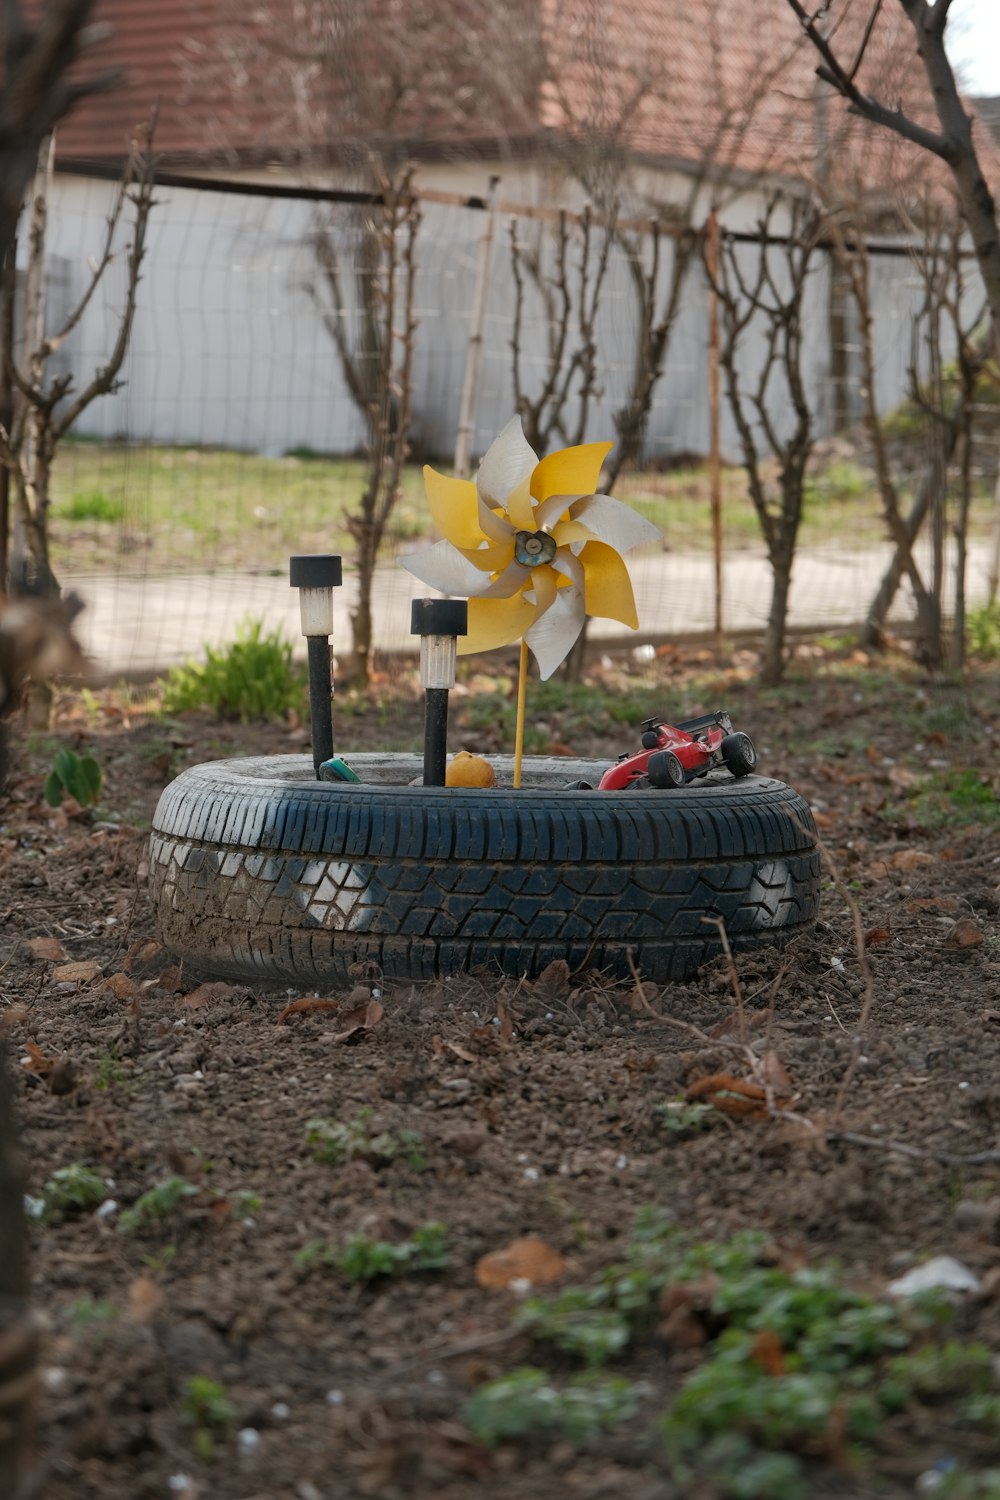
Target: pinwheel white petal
[444, 568]
[613, 522]
[507, 461]
[552, 636]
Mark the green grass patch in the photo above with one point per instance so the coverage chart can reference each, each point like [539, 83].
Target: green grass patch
[216, 508]
[92, 505]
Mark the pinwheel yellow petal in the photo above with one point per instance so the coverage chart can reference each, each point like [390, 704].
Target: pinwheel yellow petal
[543, 584]
[568, 532]
[454, 505]
[505, 463]
[571, 471]
[607, 588]
[496, 622]
[520, 510]
[490, 559]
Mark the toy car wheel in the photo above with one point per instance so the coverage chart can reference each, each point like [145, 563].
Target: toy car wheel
[739, 754]
[665, 770]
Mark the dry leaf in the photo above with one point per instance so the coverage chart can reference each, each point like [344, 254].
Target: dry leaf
[553, 983]
[47, 947]
[909, 859]
[935, 903]
[170, 979]
[733, 1096]
[773, 1074]
[36, 1061]
[529, 1259]
[876, 935]
[363, 1021]
[767, 1353]
[964, 934]
[822, 819]
[122, 987]
[144, 1299]
[506, 1024]
[211, 993]
[877, 871]
[460, 1051]
[730, 1025]
[903, 777]
[300, 1007]
[77, 973]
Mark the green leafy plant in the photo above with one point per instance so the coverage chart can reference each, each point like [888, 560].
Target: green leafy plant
[75, 1189]
[526, 1403]
[72, 775]
[206, 1407]
[156, 1203]
[336, 1142]
[252, 678]
[364, 1259]
[577, 1321]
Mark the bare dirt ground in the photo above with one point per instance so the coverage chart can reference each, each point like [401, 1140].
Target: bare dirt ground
[557, 1109]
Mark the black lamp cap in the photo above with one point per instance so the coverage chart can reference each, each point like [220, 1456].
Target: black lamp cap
[315, 570]
[439, 617]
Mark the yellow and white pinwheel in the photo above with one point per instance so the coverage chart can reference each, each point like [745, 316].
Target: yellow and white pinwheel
[532, 546]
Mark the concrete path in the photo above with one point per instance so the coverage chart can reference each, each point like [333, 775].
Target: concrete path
[137, 626]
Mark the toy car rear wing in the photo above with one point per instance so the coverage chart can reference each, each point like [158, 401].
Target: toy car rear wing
[696, 726]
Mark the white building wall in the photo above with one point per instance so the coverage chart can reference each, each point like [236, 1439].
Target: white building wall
[228, 348]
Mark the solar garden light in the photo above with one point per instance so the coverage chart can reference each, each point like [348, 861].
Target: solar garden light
[439, 623]
[316, 575]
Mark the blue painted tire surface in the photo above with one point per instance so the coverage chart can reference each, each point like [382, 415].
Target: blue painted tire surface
[260, 873]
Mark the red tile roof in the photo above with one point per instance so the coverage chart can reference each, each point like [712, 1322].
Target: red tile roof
[671, 79]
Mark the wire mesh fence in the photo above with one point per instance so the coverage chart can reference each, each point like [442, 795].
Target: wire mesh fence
[235, 438]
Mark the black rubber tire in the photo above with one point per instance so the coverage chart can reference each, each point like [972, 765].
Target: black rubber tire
[665, 771]
[739, 754]
[259, 872]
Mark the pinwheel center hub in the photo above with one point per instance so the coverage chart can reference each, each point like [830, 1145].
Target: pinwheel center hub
[532, 548]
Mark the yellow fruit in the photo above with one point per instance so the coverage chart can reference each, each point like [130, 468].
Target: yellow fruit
[469, 770]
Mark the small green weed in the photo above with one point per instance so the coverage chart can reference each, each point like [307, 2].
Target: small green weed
[252, 678]
[364, 1259]
[685, 1117]
[92, 505]
[75, 1189]
[72, 775]
[206, 1407]
[109, 1071]
[526, 1403]
[335, 1142]
[90, 1310]
[156, 1204]
[245, 1203]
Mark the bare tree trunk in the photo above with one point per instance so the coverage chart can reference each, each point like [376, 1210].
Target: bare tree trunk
[772, 663]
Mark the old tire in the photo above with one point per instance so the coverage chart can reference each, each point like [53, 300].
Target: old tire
[259, 872]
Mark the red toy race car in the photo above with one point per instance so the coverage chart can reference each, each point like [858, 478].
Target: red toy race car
[674, 754]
